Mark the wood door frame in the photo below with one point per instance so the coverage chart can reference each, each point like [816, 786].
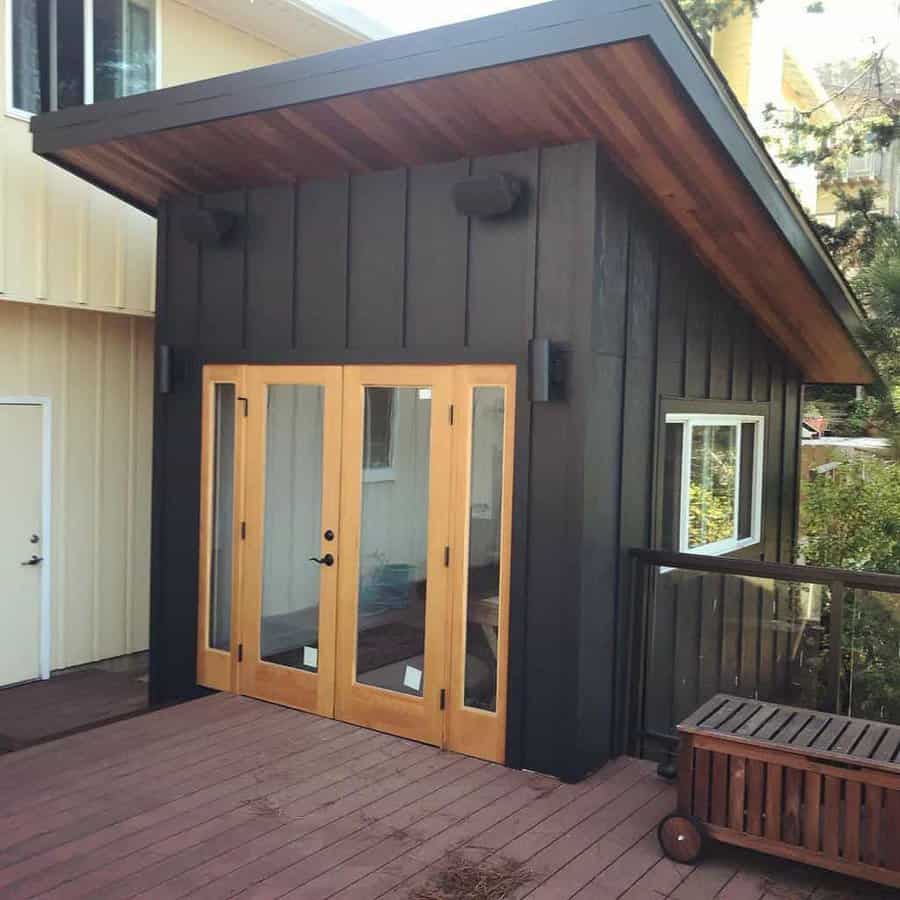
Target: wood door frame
[469, 730]
[218, 668]
[298, 688]
[418, 718]
[46, 611]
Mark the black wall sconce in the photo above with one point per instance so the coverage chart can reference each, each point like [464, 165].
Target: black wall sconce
[548, 364]
[209, 227]
[488, 196]
[170, 369]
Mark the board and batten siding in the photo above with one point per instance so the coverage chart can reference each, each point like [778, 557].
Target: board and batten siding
[77, 299]
[381, 268]
[665, 327]
[97, 371]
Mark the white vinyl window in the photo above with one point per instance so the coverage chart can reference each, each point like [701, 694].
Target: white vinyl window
[712, 482]
[380, 431]
[64, 53]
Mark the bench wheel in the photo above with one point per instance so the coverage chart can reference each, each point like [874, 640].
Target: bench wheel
[682, 838]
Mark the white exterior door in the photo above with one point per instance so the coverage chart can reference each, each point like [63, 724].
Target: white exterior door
[20, 542]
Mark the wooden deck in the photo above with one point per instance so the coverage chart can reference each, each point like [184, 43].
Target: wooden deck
[228, 797]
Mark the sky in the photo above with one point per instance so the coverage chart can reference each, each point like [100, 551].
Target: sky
[846, 28]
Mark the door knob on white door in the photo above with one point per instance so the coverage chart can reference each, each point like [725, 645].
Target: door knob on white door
[33, 561]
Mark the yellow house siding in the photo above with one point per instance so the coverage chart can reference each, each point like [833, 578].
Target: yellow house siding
[97, 371]
[731, 49]
[196, 46]
[64, 243]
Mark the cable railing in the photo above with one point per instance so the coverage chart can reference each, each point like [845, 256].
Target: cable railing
[824, 639]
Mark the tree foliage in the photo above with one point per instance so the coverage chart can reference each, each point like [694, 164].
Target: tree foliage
[711, 15]
[853, 522]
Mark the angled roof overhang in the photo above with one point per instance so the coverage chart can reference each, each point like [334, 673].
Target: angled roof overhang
[627, 73]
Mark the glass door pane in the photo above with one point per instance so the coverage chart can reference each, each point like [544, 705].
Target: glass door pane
[289, 623]
[393, 544]
[484, 551]
[223, 519]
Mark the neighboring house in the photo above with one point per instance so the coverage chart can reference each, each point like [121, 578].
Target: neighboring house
[877, 170]
[448, 326]
[755, 56]
[77, 278]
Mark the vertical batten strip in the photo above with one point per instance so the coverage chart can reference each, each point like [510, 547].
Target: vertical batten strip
[120, 225]
[128, 644]
[60, 442]
[98, 485]
[27, 347]
[81, 242]
[4, 207]
[42, 244]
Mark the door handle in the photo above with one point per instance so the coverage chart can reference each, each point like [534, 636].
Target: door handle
[326, 560]
[33, 561]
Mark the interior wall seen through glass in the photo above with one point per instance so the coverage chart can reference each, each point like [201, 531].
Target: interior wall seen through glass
[292, 528]
[390, 649]
[484, 551]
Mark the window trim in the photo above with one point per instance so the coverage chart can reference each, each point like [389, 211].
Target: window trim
[13, 112]
[713, 413]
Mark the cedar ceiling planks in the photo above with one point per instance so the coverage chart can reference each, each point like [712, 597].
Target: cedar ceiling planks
[622, 95]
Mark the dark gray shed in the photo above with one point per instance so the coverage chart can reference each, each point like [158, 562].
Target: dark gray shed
[636, 326]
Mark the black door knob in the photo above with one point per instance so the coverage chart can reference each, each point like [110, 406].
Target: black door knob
[326, 560]
[35, 560]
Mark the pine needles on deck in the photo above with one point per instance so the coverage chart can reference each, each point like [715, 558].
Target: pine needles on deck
[464, 879]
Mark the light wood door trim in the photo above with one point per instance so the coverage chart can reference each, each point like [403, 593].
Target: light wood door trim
[478, 732]
[419, 718]
[217, 668]
[298, 688]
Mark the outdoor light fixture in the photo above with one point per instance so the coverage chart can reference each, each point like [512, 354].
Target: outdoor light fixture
[488, 196]
[547, 365]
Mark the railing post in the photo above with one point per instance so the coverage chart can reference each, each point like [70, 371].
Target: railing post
[835, 644]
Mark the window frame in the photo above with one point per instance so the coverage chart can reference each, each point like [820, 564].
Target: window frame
[690, 414]
[13, 112]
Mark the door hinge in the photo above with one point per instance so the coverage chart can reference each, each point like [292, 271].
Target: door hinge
[243, 531]
[240, 652]
[446, 556]
[451, 413]
[246, 403]
[443, 698]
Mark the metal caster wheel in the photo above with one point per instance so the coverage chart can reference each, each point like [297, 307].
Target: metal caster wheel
[682, 838]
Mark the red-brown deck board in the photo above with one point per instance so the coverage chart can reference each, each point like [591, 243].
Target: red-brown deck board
[230, 797]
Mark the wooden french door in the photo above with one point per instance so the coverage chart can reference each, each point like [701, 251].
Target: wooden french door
[355, 543]
[395, 516]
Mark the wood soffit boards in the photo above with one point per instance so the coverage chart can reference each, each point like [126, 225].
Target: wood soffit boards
[622, 94]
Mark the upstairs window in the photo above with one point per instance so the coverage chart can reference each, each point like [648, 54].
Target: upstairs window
[70, 52]
[712, 482]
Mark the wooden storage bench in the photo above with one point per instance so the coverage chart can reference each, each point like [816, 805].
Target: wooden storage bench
[807, 786]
